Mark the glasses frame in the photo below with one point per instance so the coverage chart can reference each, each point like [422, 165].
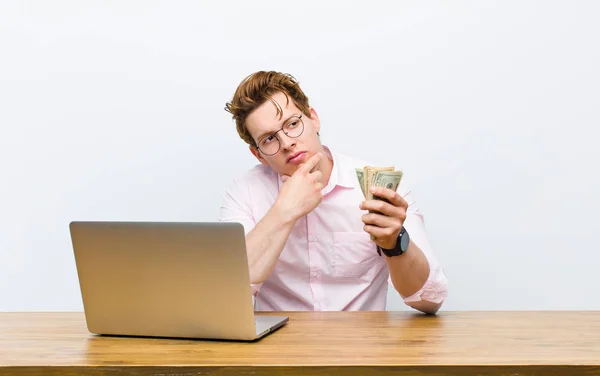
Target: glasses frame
[299, 117]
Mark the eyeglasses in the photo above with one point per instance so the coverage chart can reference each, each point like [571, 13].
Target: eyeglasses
[270, 144]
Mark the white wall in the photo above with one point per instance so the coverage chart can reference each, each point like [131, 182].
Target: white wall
[114, 111]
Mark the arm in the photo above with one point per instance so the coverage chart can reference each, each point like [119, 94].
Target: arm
[409, 273]
[265, 243]
[415, 274]
[299, 195]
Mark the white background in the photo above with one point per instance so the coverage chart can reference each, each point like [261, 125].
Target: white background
[113, 110]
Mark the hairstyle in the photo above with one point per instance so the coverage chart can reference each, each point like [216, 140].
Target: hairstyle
[258, 88]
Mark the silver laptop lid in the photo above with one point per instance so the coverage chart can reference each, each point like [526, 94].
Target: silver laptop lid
[164, 279]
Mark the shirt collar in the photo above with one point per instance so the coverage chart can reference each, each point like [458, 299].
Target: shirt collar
[343, 173]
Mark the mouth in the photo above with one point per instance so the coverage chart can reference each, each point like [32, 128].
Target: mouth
[296, 157]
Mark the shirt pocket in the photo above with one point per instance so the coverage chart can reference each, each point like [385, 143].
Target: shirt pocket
[354, 254]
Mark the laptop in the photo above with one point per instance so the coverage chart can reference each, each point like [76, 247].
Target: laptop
[167, 279]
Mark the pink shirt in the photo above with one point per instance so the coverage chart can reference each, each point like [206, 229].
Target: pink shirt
[329, 262]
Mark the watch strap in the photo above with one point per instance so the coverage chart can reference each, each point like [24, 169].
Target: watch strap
[398, 249]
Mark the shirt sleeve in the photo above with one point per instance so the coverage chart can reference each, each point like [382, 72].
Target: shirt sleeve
[435, 288]
[236, 207]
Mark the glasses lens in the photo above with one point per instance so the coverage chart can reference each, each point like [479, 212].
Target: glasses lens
[269, 145]
[294, 127]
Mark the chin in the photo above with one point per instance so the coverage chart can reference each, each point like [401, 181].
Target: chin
[290, 171]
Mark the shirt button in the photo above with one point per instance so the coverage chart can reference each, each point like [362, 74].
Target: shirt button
[313, 239]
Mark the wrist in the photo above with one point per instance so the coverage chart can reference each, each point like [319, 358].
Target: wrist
[401, 246]
[284, 215]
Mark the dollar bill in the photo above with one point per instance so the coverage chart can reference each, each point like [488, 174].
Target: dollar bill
[360, 173]
[366, 176]
[370, 172]
[370, 176]
[387, 179]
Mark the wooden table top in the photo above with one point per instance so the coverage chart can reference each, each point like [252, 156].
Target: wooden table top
[349, 343]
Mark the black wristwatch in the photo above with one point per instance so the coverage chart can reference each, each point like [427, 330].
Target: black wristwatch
[401, 245]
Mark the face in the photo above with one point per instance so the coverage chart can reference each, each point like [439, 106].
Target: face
[293, 152]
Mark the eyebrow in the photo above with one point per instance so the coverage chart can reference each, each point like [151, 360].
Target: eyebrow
[271, 132]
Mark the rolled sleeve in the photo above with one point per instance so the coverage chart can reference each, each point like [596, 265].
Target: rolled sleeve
[434, 290]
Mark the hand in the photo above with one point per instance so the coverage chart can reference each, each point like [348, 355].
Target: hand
[301, 192]
[385, 219]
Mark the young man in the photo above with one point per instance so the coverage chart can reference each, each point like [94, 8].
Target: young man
[312, 242]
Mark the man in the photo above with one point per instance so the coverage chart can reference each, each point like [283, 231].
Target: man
[313, 242]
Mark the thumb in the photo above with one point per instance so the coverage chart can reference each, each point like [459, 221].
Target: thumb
[285, 178]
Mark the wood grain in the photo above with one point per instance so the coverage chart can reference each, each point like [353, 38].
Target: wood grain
[349, 343]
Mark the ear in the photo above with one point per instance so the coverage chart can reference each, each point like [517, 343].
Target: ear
[315, 118]
[256, 153]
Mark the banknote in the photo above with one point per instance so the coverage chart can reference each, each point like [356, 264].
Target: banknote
[387, 179]
[360, 174]
[370, 176]
[370, 173]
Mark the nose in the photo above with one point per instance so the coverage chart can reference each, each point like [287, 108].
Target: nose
[286, 142]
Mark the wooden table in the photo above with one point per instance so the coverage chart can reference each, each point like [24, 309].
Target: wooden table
[320, 343]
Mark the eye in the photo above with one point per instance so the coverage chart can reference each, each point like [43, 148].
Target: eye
[267, 140]
[293, 124]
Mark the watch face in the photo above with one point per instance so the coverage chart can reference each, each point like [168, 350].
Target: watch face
[404, 241]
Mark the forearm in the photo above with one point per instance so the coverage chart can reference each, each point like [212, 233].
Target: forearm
[265, 243]
[410, 271]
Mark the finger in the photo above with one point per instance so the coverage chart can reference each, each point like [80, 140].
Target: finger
[317, 175]
[391, 196]
[384, 208]
[311, 163]
[380, 220]
[378, 232]
[284, 178]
